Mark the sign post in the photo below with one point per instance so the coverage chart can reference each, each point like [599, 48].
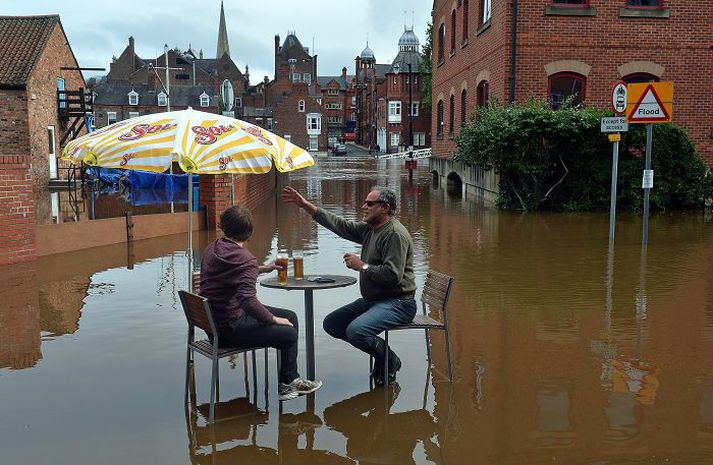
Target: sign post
[649, 102]
[614, 126]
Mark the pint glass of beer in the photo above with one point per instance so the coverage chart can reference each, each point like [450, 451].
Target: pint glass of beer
[282, 261]
[298, 264]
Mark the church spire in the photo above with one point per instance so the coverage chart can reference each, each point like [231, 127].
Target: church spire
[223, 46]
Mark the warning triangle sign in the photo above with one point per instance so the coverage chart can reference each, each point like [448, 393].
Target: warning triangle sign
[649, 108]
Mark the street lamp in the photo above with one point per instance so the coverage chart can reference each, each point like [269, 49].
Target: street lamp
[397, 68]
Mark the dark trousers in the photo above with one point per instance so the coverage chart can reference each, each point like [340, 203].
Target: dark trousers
[246, 331]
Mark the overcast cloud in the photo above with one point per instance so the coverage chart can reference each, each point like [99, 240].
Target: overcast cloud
[99, 29]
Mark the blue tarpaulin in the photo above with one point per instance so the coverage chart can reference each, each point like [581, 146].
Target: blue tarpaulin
[143, 188]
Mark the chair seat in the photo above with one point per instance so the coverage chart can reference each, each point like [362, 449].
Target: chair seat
[205, 347]
[421, 322]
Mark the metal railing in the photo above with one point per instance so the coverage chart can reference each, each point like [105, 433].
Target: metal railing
[417, 154]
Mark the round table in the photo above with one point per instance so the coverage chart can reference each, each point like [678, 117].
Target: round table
[309, 287]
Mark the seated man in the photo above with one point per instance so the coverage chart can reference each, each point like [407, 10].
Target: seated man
[386, 278]
[228, 278]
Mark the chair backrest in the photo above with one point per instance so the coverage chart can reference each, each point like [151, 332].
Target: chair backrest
[437, 291]
[196, 283]
[197, 311]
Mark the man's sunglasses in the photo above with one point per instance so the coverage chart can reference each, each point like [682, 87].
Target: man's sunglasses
[371, 203]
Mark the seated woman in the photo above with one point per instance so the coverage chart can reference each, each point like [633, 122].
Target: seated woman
[228, 278]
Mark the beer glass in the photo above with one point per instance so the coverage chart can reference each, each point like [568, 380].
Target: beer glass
[282, 261]
[298, 264]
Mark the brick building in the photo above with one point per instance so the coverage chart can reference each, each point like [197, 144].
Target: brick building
[338, 103]
[383, 94]
[34, 120]
[552, 49]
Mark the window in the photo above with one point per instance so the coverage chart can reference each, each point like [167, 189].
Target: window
[395, 139]
[640, 77]
[133, 114]
[332, 91]
[269, 124]
[301, 106]
[463, 105]
[51, 142]
[133, 98]
[645, 3]
[335, 119]
[564, 87]
[226, 92]
[453, 31]
[486, 11]
[307, 77]
[452, 115]
[161, 99]
[419, 139]
[483, 90]
[183, 77]
[314, 122]
[465, 22]
[394, 112]
[205, 99]
[110, 117]
[296, 77]
[287, 137]
[439, 120]
[238, 102]
[414, 108]
[61, 96]
[441, 42]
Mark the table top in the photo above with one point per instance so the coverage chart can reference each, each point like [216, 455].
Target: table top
[305, 284]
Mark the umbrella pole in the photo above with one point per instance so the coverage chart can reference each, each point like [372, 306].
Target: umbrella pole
[232, 189]
[190, 228]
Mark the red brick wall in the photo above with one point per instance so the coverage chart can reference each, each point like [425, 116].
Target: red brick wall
[604, 42]
[287, 120]
[42, 101]
[17, 206]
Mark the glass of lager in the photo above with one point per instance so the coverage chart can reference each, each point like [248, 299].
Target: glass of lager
[298, 264]
[282, 261]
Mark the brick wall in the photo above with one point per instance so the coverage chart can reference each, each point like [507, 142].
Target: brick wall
[607, 44]
[287, 120]
[17, 206]
[20, 316]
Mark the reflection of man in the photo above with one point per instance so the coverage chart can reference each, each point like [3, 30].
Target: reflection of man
[386, 278]
[376, 436]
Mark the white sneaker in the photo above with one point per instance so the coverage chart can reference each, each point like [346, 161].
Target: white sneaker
[296, 388]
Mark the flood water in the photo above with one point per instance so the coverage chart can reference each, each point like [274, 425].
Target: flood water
[564, 351]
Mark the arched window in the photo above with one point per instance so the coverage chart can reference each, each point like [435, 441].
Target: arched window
[227, 94]
[463, 105]
[483, 91]
[452, 115]
[566, 86]
[453, 31]
[640, 77]
[301, 106]
[486, 11]
[439, 120]
[441, 42]
[465, 21]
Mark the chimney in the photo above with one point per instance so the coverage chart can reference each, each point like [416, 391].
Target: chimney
[344, 73]
[133, 54]
[277, 50]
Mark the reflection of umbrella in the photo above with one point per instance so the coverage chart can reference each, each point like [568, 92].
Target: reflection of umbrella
[203, 143]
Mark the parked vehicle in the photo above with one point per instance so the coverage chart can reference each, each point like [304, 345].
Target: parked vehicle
[350, 136]
[339, 149]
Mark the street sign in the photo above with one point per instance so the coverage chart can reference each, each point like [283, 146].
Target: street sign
[648, 180]
[618, 97]
[616, 137]
[614, 124]
[649, 102]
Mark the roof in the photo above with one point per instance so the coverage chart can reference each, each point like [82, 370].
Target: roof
[117, 94]
[22, 40]
[324, 81]
[292, 48]
[257, 112]
[404, 58]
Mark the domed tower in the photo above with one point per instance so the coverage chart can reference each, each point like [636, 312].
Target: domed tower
[409, 46]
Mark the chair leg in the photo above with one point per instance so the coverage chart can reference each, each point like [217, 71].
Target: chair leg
[386, 358]
[213, 388]
[254, 378]
[267, 378]
[188, 364]
[448, 356]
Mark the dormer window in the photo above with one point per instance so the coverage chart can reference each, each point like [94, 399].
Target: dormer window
[205, 99]
[133, 98]
[301, 106]
[162, 99]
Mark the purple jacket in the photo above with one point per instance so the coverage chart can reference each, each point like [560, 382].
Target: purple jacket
[228, 278]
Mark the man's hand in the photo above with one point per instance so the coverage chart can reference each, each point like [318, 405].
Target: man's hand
[281, 321]
[290, 195]
[268, 267]
[353, 261]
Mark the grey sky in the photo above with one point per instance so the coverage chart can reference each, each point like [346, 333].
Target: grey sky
[99, 29]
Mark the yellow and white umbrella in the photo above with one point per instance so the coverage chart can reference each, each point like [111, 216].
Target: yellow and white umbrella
[203, 143]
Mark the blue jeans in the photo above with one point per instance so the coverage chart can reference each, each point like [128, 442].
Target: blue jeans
[360, 322]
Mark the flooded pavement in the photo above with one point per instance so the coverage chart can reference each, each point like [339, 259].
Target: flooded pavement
[564, 351]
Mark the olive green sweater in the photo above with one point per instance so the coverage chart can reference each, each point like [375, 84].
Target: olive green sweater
[388, 250]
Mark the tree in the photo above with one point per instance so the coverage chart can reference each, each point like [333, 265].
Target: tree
[426, 66]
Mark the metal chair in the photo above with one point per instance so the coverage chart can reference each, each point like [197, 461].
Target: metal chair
[198, 314]
[436, 293]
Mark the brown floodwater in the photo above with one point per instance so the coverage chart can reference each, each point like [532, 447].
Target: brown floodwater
[564, 350]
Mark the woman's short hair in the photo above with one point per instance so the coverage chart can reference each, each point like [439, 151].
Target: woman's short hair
[237, 223]
[388, 197]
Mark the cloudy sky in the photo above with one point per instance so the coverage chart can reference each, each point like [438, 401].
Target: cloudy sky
[99, 29]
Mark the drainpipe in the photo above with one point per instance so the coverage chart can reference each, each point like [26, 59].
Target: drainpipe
[513, 52]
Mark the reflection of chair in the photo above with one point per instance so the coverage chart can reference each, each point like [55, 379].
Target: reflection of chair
[436, 292]
[198, 314]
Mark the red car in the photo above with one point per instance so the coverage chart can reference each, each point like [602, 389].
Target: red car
[350, 136]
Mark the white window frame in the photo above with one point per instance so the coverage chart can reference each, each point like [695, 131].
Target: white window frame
[395, 139]
[296, 77]
[63, 98]
[307, 77]
[487, 10]
[301, 106]
[52, 152]
[133, 98]
[133, 114]
[394, 111]
[287, 137]
[111, 118]
[204, 99]
[414, 108]
[162, 99]
[332, 91]
[314, 123]
[419, 139]
[238, 102]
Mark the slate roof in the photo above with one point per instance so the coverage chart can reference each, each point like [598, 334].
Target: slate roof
[324, 81]
[22, 39]
[381, 70]
[117, 94]
[259, 112]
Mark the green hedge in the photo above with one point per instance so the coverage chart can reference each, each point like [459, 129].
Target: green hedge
[559, 160]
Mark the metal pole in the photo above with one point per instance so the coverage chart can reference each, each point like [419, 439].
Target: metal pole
[612, 205]
[190, 229]
[168, 84]
[410, 126]
[647, 167]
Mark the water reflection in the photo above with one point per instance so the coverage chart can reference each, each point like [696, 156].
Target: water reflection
[564, 349]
